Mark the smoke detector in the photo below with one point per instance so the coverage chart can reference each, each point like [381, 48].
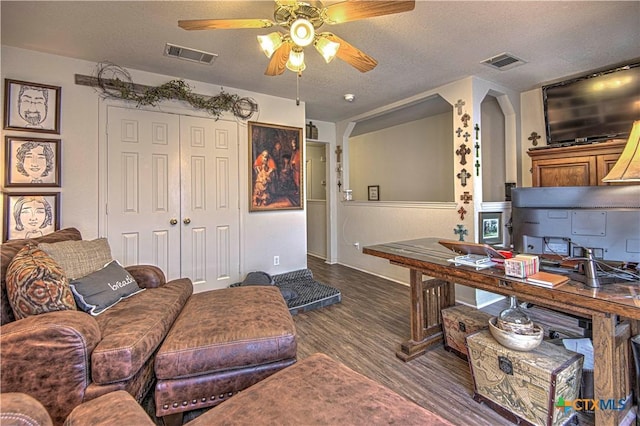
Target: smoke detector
[503, 62]
[189, 54]
[349, 97]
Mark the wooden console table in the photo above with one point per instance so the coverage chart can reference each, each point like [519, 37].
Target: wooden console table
[614, 310]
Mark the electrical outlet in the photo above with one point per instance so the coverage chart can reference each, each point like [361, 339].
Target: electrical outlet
[276, 260]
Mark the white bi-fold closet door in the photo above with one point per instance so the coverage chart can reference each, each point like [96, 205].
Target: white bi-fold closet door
[172, 194]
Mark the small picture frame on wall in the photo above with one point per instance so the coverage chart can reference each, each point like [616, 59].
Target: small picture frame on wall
[490, 228]
[31, 214]
[31, 107]
[374, 193]
[32, 162]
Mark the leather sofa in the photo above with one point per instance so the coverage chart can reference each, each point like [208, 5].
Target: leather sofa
[65, 358]
[315, 391]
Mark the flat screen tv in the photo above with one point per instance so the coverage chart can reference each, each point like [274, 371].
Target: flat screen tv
[594, 107]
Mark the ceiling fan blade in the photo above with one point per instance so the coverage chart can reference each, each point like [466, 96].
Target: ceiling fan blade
[353, 56]
[278, 60]
[354, 10]
[224, 24]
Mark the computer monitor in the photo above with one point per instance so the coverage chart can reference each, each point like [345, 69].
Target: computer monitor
[565, 220]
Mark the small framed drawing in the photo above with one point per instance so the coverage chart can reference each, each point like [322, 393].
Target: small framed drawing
[30, 215]
[32, 162]
[490, 228]
[374, 193]
[275, 167]
[31, 107]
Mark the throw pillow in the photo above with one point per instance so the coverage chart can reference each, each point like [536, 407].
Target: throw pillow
[79, 258]
[100, 290]
[36, 284]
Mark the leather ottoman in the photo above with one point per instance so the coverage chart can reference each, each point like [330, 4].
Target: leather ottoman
[318, 391]
[223, 342]
[315, 391]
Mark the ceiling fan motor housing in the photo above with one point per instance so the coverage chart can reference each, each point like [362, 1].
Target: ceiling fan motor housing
[285, 15]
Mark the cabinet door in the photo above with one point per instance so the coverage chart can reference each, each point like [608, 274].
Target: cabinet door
[576, 171]
[605, 164]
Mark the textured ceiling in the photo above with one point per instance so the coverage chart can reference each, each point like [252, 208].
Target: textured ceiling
[437, 43]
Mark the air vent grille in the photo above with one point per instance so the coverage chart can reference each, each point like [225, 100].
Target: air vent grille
[504, 61]
[189, 54]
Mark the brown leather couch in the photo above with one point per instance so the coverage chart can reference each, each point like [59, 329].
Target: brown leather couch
[65, 358]
[315, 391]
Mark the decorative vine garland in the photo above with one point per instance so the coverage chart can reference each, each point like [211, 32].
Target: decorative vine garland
[115, 82]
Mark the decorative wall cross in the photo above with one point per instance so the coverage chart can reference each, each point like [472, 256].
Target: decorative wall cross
[338, 153]
[459, 105]
[462, 211]
[460, 232]
[466, 136]
[477, 129]
[477, 147]
[465, 119]
[534, 138]
[463, 151]
[477, 166]
[463, 176]
[459, 132]
[466, 197]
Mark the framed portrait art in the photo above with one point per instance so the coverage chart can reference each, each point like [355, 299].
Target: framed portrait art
[31, 107]
[490, 228]
[276, 167]
[30, 215]
[32, 162]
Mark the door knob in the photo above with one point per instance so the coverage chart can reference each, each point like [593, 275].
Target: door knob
[186, 221]
[173, 221]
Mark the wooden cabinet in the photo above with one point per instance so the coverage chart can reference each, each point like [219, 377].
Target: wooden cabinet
[580, 165]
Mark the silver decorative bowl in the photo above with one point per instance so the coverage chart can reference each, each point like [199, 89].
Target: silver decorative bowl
[524, 341]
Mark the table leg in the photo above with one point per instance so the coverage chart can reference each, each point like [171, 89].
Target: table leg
[428, 298]
[611, 373]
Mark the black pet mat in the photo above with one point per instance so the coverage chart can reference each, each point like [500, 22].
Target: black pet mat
[311, 294]
[308, 293]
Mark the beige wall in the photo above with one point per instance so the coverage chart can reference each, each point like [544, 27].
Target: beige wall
[493, 153]
[263, 234]
[362, 223]
[410, 162]
[532, 112]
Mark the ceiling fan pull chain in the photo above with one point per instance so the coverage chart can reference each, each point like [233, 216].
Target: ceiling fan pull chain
[298, 75]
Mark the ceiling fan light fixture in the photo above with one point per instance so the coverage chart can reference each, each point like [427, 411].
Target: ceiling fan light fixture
[296, 60]
[270, 43]
[302, 32]
[327, 48]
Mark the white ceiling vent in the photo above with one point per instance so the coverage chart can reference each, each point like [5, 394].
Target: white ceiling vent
[188, 54]
[504, 61]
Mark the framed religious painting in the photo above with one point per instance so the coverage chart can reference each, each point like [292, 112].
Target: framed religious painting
[31, 107]
[490, 228]
[30, 215]
[32, 162]
[275, 167]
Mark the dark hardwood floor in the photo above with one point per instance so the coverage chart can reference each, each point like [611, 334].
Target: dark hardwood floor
[364, 330]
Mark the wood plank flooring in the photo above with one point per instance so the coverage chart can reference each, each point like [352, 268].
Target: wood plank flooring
[364, 330]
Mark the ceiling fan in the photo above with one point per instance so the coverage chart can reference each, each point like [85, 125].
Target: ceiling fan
[301, 20]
